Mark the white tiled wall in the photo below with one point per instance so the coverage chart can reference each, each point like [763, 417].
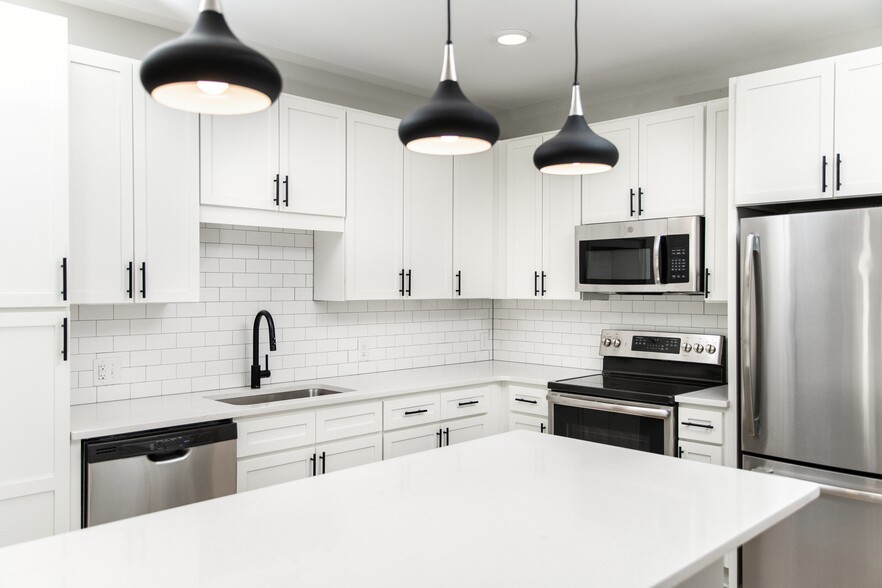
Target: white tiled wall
[567, 333]
[179, 348]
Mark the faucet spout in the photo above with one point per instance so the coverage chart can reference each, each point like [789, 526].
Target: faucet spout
[256, 372]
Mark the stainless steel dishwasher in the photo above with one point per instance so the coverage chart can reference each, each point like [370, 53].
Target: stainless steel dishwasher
[139, 473]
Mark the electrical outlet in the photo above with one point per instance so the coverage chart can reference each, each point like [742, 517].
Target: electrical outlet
[485, 340]
[363, 350]
[106, 370]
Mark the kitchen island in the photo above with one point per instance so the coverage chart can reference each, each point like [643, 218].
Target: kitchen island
[516, 509]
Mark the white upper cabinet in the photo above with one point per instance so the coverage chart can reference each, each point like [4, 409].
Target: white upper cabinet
[716, 227]
[784, 134]
[612, 196]
[33, 149]
[561, 212]
[312, 156]
[524, 207]
[134, 196]
[858, 124]
[428, 225]
[474, 223]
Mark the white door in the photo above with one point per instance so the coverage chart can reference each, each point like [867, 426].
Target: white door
[561, 212]
[239, 160]
[524, 226]
[166, 201]
[374, 207]
[784, 134]
[716, 227]
[858, 124]
[349, 453]
[34, 152]
[101, 178]
[526, 422]
[701, 452]
[312, 156]
[34, 426]
[428, 225]
[474, 225]
[275, 468]
[612, 196]
[407, 441]
[671, 162]
[463, 430]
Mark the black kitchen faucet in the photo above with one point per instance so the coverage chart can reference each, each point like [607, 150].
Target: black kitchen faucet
[256, 372]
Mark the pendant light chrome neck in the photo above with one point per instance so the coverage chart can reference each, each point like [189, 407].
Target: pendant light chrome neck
[448, 69]
[576, 101]
[212, 5]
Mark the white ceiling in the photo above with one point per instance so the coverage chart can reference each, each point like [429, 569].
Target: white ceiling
[398, 43]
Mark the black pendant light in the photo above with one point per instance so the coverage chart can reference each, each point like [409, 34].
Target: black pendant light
[209, 70]
[448, 124]
[576, 149]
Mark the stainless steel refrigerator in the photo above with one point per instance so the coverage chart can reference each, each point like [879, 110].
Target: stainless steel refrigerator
[810, 308]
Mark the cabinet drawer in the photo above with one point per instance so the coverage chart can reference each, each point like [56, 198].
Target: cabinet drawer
[412, 410]
[464, 402]
[701, 452]
[701, 425]
[275, 433]
[527, 422]
[528, 399]
[267, 470]
[348, 421]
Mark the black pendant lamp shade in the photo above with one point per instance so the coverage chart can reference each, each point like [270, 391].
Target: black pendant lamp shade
[448, 124]
[576, 149]
[208, 70]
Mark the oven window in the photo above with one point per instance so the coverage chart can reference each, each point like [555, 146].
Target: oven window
[616, 261]
[609, 428]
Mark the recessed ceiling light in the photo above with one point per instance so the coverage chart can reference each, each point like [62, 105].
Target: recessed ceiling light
[512, 37]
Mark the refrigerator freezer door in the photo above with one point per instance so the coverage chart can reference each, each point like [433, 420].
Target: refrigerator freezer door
[811, 311]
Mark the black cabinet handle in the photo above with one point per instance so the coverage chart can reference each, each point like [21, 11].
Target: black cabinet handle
[543, 283]
[447, 436]
[699, 425]
[469, 403]
[420, 411]
[131, 279]
[276, 182]
[527, 401]
[535, 283]
[64, 342]
[439, 438]
[64, 278]
[286, 190]
[824, 173]
[838, 171]
[681, 453]
[322, 457]
[312, 459]
[706, 282]
[408, 282]
[401, 276]
[542, 427]
[143, 279]
[639, 201]
[459, 283]
[632, 201]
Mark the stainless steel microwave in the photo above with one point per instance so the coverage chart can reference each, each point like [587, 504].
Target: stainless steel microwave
[656, 256]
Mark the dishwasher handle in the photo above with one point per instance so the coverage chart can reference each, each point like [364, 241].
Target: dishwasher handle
[170, 457]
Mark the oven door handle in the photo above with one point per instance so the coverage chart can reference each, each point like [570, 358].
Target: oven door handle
[656, 413]
[656, 259]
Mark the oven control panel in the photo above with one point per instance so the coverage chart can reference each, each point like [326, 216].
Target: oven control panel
[688, 347]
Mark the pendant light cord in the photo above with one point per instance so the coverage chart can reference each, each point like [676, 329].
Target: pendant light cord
[576, 34]
[448, 23]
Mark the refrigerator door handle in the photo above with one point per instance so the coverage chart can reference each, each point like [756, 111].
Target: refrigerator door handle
[748, 342]
[829, 490]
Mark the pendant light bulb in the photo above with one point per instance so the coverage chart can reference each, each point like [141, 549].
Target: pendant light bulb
[208, 70]
[448, 124]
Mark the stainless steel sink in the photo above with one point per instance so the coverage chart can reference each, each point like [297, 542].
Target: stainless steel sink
[283, 395]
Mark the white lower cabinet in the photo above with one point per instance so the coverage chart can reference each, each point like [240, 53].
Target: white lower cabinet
[340, 455]
[412, 440]
[700, 434]
[528, 408]
[267, 470]
[462, 430]
[527, 422]
[701, 452]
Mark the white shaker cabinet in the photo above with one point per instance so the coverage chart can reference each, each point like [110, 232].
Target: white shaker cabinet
[561, 213]
[612, 196]
[716, 228]
[33, 149]
[474, 225]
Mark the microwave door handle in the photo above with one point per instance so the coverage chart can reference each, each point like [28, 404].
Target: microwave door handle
[656, 259]
[748, 342]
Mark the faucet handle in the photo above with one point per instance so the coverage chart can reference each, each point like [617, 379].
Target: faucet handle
[266, 373]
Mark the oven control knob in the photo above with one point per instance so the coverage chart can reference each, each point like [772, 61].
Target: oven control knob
[687, 347]
[617, 343]
[711, 349]
[699, 348]
[607, 342]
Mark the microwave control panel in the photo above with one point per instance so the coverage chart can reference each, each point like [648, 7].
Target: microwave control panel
[677, 250]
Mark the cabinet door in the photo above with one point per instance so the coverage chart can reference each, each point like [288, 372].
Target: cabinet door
[374, 207]
[166, 149]
[277, 468]
[34, 426]
[716, 224]
[858, 124]
[239, 160]
[701, 452]
[784, 134]
[561, 212]
[101, 178]
[612, 196]
[474, 225]
[34, 152]
[525, 422]
[671, 162]
[312, 156]
[428, 225]
[524, 227]
[349, 453]
[407, 441]
[462, 430]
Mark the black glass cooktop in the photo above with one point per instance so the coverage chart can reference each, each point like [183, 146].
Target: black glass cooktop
[624, 387]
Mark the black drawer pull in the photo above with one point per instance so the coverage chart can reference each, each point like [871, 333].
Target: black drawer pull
[440, 443]
[64, 278]
[420, 411]
[312, 459]
[447, 435]
[699, 425]
[322, 457]
[527, 401]
[541, 427]
[469, 403]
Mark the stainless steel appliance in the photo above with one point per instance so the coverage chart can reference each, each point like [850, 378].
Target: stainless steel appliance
[129, 475]
[647, 256]
[811, 391]
[631, 403]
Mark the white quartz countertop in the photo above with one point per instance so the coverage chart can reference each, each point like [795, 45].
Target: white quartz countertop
[124, 416]
[516, 509]
[716, 397]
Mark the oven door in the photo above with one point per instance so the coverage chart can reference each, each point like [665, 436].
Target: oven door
[620, 257]
[633, 425]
